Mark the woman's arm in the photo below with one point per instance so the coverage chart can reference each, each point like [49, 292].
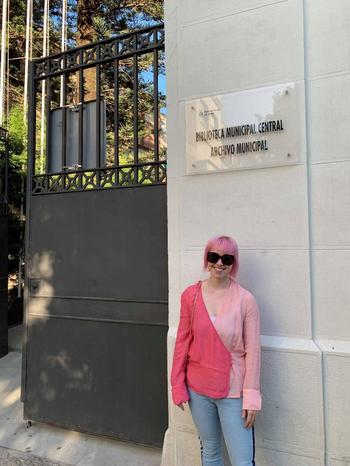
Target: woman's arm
[183, 337]
[251, 338]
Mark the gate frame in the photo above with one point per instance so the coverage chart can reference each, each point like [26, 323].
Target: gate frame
[70, 181]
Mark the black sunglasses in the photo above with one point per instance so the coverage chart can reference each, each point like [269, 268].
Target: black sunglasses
[226, 259]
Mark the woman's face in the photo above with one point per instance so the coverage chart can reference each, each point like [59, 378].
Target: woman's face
[219, 270]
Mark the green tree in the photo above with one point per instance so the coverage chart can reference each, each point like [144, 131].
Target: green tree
[17, 166]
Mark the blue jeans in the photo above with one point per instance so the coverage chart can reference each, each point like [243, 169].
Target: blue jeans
[215, 418]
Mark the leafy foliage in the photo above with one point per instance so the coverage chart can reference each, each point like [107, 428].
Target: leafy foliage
[17, 164]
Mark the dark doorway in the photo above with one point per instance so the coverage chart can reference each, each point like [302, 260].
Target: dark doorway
[3, 240]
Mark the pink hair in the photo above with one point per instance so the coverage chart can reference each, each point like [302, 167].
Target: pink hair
[225, 245]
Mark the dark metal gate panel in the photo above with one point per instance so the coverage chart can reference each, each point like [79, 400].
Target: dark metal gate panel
[3, 240]
[96, 247]
[97, 312]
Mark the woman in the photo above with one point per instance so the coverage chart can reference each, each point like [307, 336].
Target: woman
[216, 365]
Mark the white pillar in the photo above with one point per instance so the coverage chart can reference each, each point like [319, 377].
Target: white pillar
[29, 25]
[63, 41]
[46, 33]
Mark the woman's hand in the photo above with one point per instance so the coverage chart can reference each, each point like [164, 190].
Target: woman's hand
[249, 415]
[182, 406]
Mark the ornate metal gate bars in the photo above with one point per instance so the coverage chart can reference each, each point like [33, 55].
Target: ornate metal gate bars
[64, 79]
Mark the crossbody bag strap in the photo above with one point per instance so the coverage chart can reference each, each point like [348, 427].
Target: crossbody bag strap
[194, 306]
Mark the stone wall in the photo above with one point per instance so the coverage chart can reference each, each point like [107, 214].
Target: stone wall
[291, 222]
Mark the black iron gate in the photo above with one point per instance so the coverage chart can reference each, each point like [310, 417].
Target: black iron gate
[96, 240]
[3, 239]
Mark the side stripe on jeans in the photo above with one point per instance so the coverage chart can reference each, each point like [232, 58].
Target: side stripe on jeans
[253, 434]
[201, 450]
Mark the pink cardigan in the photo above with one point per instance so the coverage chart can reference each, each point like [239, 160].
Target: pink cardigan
[211, 359]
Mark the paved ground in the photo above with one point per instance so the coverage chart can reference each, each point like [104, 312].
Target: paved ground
[16, 458]
[45, 445]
